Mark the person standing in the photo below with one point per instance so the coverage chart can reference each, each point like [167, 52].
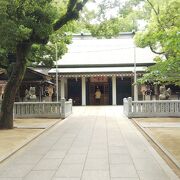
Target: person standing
[98, 96]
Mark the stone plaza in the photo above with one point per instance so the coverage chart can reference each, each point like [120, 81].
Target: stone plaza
[94, 143]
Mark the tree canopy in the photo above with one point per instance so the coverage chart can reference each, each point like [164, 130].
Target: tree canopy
[162, 35]
[112, 17]
[36, 21]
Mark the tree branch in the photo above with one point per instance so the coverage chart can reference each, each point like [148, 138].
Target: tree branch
[156, 12]
[155, 51]
[72, 13]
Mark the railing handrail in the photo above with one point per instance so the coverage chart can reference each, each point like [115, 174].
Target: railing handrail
[37, 102]
[68, 102]
[153, 101]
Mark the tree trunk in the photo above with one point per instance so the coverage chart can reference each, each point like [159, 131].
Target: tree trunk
[16, 77]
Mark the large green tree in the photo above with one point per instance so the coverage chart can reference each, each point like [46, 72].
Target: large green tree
[162, 35]
[25, 23]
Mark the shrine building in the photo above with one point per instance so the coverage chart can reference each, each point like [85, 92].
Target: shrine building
[111, 65]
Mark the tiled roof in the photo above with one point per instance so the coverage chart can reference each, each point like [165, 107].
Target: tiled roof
[88, 51]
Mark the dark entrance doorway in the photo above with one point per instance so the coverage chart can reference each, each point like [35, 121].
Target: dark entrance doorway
[103, 84]
[74, 90]
[104, 89]
[123, 89]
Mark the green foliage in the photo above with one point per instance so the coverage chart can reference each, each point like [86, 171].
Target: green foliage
[129, 6]
[111, 28]
[163, 37]
[36, 23]
[163, 72]
[46, 54]
[106, 29]
[102, 25]
[24, 19]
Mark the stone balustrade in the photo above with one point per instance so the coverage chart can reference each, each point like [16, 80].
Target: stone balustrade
[37, 110]
[60, 109]
[155, 108]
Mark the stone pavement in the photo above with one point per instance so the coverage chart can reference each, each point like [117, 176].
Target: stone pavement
[95, 143]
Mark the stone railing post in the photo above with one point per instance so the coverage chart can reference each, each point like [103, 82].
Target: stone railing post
[70, 100]
[124, 105]
[13, 111]
[63, 108]
[129, 106]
